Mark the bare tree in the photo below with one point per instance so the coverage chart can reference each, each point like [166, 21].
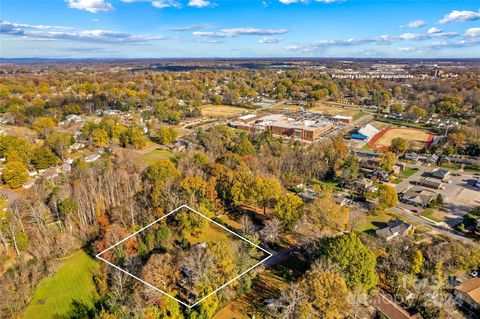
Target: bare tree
[271, 231]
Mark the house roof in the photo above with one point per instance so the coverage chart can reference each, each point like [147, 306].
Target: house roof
[420, 196]
[471, 288]
[389, 307]
[440, 173]
[394, 227]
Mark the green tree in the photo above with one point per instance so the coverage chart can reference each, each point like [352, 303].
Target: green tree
[289, 209]
[43, 158]
[162, 170]
[15, 174]
[133, 137]
[44, 126]
[399, 145]
[244, 147]
[167, 135]
[396, 108]
[356, 261]
[387, 196]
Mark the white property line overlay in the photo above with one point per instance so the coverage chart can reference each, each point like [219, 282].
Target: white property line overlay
[163, 292]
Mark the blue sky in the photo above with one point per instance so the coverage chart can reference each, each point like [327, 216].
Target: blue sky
[252, 28]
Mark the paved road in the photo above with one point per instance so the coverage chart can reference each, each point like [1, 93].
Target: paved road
[444, 231]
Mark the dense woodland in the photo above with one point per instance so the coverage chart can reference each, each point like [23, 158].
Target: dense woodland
[252, 177]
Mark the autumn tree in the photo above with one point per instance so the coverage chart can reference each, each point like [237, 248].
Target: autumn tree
[167, 135]
[388, 160]
[99, 137]
[417, 262]
[328, 215]
[387, 196]
[44, 126]
[15, 174]
[266, 190]
[320, 293]
[160, 271]
[289, 209]
[133, 137]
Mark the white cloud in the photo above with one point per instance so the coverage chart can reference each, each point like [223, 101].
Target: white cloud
[35, 32]
[269, 40]
[460, 16]
[378, 40]
[92, 6]
[234, 32]
[415, 24]
[434, 30]
[200, 3]
[473, 33]
[160, 4]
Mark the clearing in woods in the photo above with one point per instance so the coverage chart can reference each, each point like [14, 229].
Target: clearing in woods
[73, 281]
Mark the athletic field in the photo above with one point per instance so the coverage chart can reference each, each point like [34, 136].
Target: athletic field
[418, 139]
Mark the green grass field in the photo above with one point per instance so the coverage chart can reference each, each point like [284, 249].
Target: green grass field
[407, 172]
[151, 157]
[432, 214]
[358, 115]
[371, 222]
[72, 281]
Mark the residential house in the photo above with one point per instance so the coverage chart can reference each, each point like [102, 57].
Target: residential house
[418, 196]
[441, 174]
[92, 158]
[341, 199]
[395, 227]
[73, 118]
[76, 146]
[381, 174]
[469, 293]
[390, 308]
[431, 183]
[412, 156]
[432, 159]
[361, 186]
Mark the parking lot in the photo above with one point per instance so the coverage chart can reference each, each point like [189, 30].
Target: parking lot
[459, 193]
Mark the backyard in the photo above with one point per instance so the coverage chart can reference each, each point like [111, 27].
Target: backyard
[72, 282]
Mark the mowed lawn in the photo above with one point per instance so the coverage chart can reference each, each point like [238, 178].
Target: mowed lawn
[151, 157]
[72, 281]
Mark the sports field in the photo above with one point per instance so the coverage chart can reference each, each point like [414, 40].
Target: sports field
[72, 282]
[418, 139]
